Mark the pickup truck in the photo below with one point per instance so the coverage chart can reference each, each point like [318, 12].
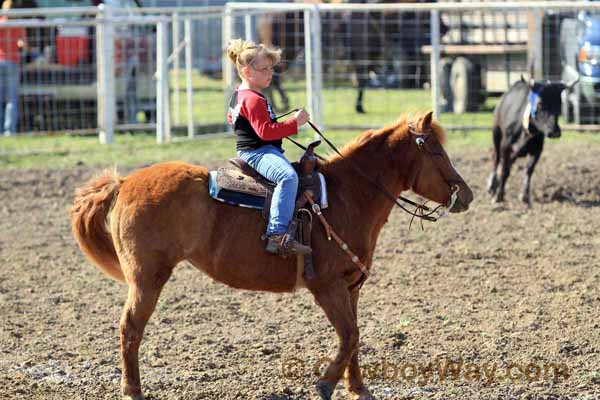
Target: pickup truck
[580, 55]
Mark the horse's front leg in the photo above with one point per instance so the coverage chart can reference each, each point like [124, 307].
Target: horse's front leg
[352, 375]
[336, 303]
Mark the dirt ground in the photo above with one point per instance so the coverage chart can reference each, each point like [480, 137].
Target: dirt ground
[509, 291]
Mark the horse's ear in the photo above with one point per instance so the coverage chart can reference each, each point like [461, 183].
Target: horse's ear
[426, 122]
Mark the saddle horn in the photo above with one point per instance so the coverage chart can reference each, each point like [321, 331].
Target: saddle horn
[308, 162]
[310, 149]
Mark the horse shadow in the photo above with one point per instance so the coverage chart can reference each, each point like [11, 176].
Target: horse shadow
[274, 396]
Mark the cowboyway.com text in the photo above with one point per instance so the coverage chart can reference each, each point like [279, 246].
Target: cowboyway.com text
[440, 370]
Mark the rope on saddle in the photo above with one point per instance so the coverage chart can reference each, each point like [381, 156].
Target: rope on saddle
[331, 234]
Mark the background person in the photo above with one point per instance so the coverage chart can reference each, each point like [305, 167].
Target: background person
[12, 41]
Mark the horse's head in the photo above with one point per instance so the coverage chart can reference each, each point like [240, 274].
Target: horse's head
[435, 177]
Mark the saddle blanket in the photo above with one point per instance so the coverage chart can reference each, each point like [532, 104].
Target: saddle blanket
[228, 191]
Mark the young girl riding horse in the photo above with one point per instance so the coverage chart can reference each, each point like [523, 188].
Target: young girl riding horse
[259, 138]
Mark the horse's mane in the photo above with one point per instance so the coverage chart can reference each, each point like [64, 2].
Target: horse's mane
[399, 129]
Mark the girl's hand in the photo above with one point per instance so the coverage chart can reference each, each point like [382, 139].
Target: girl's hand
[302, 117]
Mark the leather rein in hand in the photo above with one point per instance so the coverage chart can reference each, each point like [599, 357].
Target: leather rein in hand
[422, 211]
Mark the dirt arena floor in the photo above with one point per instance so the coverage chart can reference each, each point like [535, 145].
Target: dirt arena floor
[501, 302]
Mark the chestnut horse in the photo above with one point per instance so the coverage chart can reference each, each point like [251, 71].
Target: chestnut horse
[137, 228]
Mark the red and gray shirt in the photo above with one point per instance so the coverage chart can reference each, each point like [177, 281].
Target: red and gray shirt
[253, 120]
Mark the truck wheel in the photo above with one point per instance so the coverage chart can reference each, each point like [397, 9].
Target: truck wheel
[465, 80]
[445, 86]
[581, 108]
[586, 111]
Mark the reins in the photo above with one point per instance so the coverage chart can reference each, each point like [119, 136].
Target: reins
[420, 208]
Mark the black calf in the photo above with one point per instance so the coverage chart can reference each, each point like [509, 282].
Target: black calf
[525, 115]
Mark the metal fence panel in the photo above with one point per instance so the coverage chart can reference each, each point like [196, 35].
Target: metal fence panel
[69, 76]
[373, 58]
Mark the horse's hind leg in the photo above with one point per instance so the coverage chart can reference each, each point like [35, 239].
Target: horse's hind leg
[359, 100]
[144, 291]
[277, 84]
[362, 75]
[336, 303]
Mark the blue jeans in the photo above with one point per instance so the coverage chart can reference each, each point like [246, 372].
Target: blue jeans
[9, 97]
[270, 162]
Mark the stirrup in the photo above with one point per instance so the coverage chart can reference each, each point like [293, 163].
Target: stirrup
[284, 244]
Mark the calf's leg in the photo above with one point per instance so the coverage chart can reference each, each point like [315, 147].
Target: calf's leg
[492, 184]
[531, 163]
[506, 164]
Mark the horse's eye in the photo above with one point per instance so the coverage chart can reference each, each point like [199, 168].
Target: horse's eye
[420, 141]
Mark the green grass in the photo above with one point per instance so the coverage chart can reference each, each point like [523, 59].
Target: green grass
[383, 106]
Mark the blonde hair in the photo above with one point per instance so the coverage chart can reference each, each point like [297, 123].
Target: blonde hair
[245, 52]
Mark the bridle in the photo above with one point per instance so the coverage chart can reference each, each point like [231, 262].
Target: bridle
[453, 184]
[421, 211]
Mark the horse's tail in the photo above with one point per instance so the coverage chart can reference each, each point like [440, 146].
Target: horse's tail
[89, 213]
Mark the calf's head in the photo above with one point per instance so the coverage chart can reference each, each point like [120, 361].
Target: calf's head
[545, 106]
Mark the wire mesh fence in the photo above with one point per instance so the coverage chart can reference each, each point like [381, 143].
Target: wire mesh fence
[59, 67]
[357, 65]
[372, 60]
[58, 77]
[379, 60]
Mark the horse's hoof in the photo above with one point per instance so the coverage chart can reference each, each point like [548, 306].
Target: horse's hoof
[325, 389]
[364, 394]
[132, 393]
[134, 397]
[360, 109]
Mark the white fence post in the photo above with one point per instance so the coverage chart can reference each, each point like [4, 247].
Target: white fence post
[435, 62]
[176, 41]
[248, 26]
[228, 68]
[163, 124]
[187, 27]
[536, 44]
[106, 99]
[312, 57]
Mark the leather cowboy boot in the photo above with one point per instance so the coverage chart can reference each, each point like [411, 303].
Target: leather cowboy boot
[284, 244]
